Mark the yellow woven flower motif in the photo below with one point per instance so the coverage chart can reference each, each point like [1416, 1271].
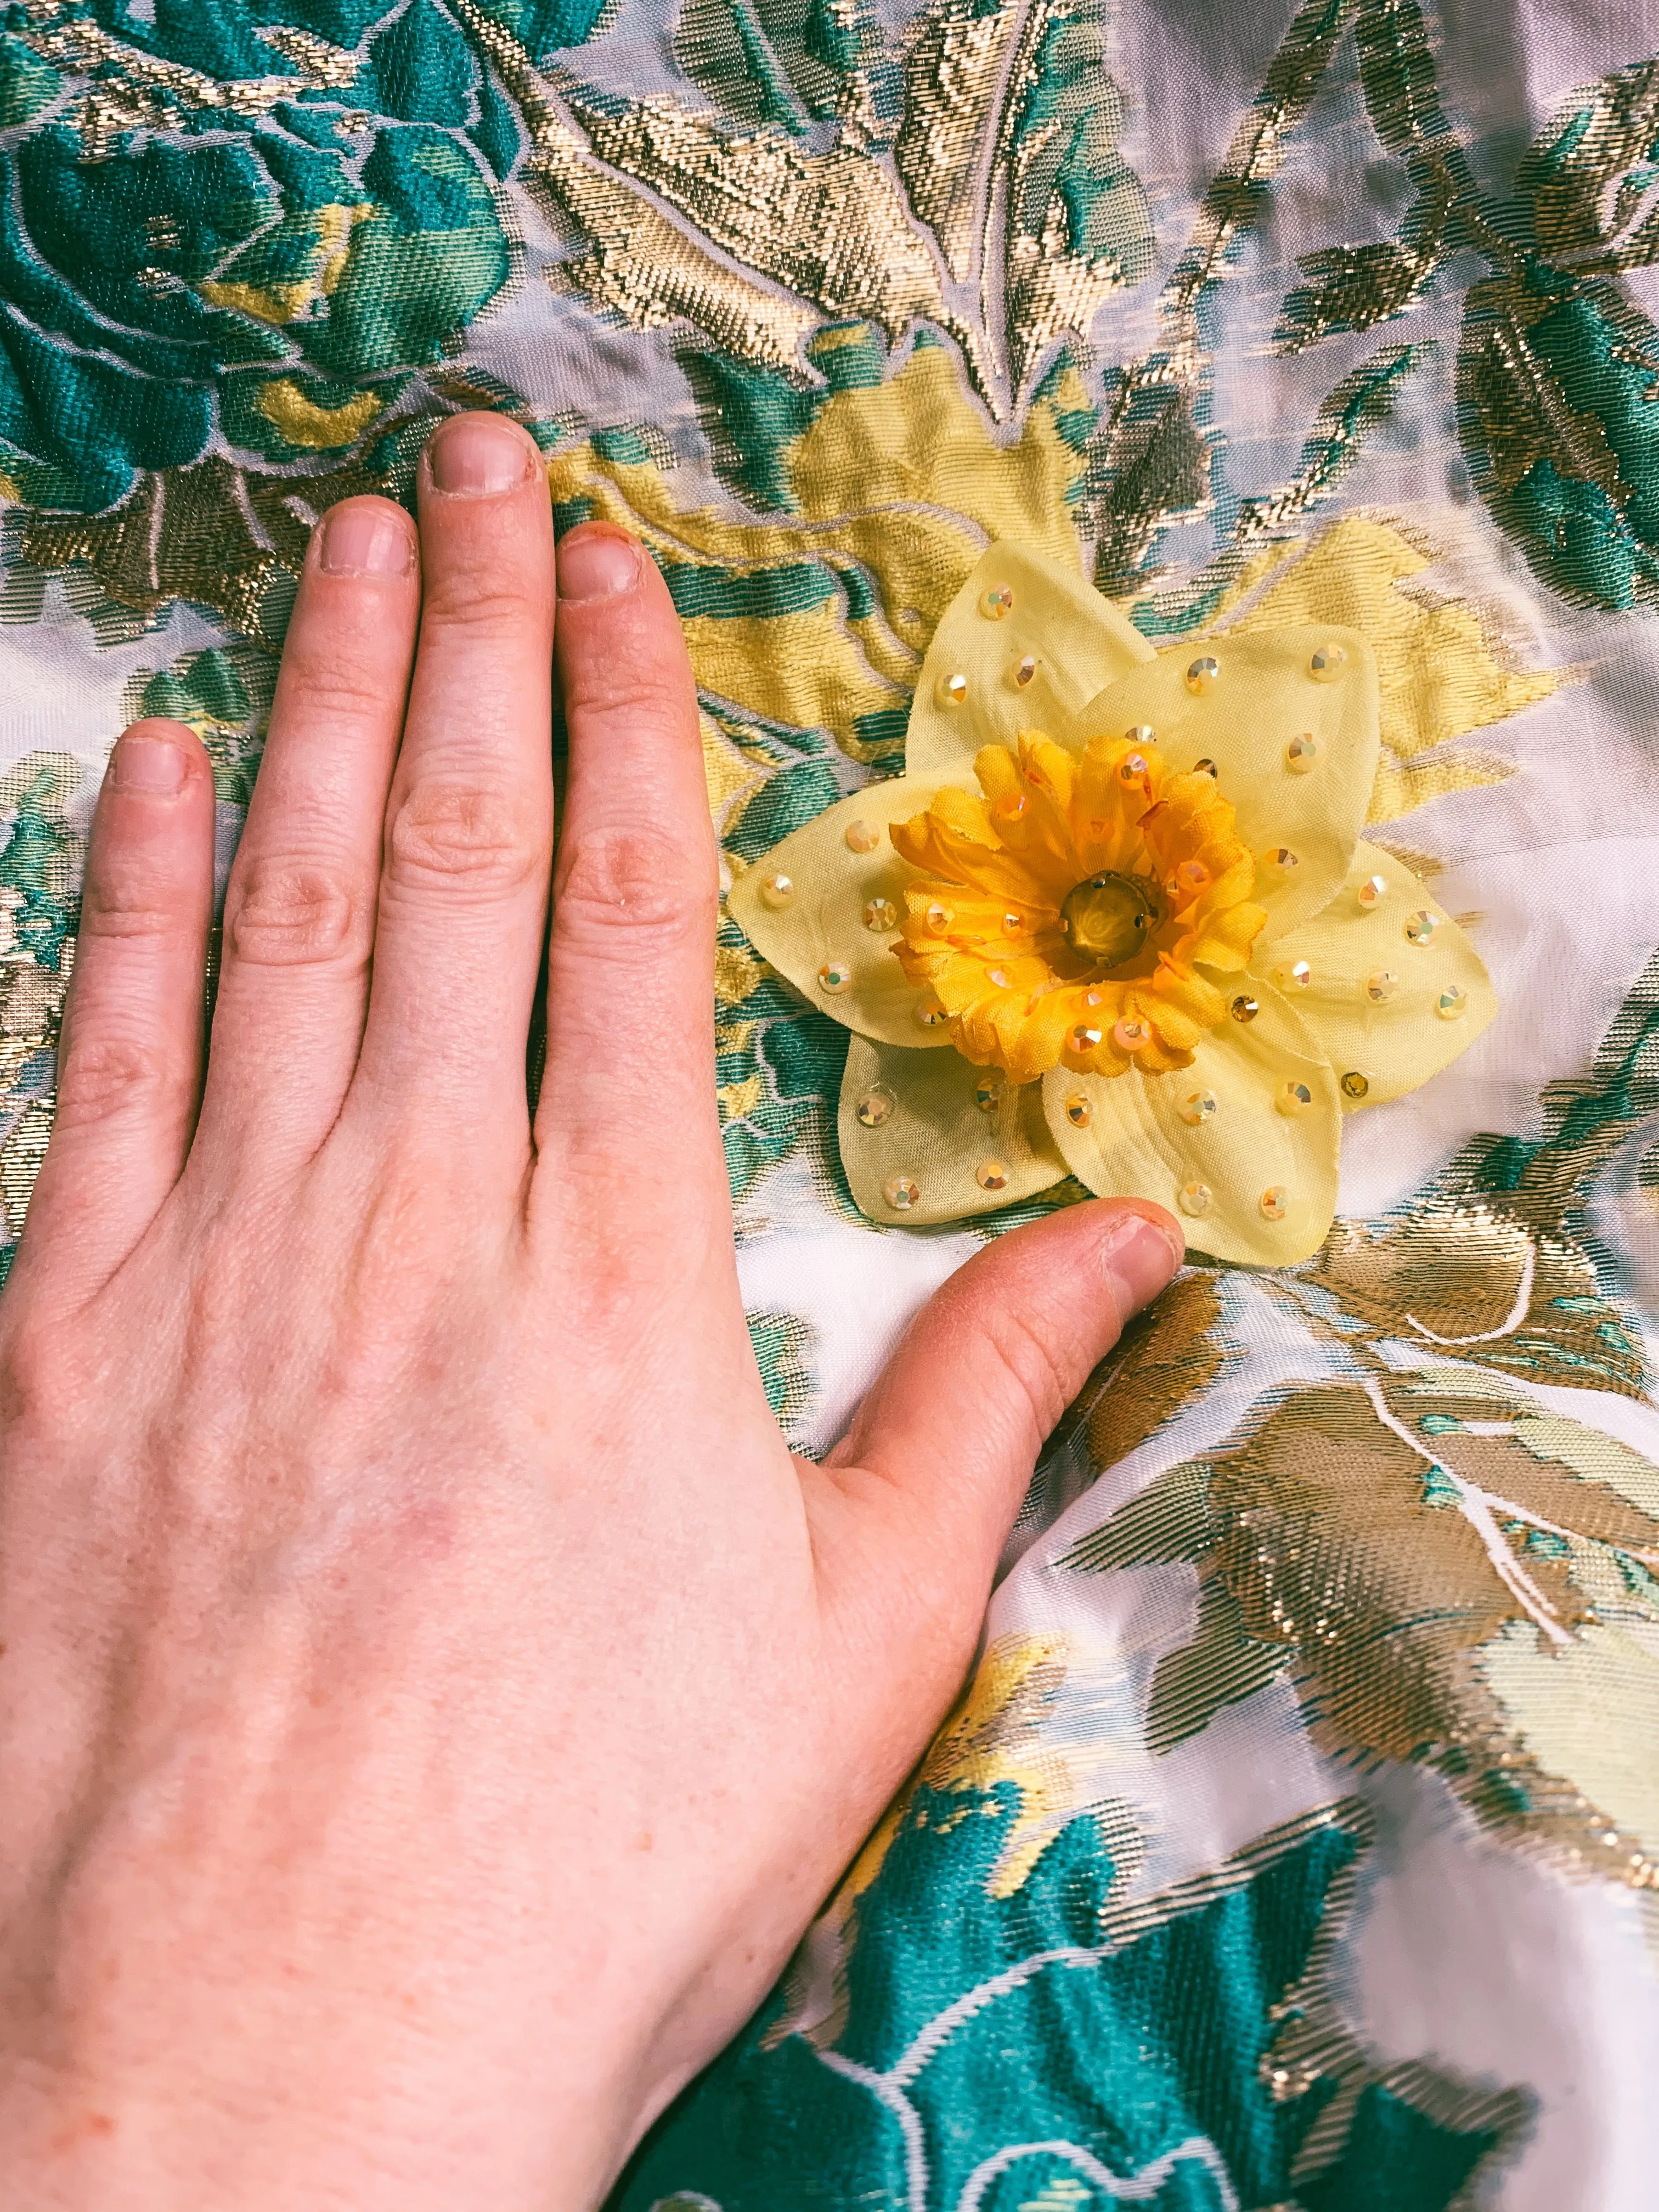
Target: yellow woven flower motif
[1117, 919]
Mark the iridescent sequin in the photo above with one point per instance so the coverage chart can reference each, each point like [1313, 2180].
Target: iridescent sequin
[1197, 1108]
[1421, 927]
[1453, 1003]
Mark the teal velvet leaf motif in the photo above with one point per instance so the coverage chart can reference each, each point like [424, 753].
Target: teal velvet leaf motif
[996, 2048]
[214, 222]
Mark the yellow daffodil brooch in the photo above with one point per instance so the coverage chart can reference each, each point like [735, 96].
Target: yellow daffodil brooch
[1117, 919]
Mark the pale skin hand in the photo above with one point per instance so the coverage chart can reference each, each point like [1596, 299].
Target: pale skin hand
[433, 1700]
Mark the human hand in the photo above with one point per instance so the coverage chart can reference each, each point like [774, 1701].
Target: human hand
[433, 1700]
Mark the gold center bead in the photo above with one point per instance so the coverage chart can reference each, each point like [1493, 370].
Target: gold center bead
[1106, 918]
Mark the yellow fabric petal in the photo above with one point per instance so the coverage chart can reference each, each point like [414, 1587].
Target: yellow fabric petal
[1077, 639]
[1135, 1143]
[1263, 697]
[1398, 1041]
[936, 1136]
[823, 920]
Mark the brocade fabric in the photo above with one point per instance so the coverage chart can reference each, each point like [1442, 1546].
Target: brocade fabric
[1295, 1846]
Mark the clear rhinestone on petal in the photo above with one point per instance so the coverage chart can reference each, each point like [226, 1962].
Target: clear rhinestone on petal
[876, 1107]
[952, 689]
[1302, 753]
[1282, 860]
[997, 602]
[1207, 768]
[901, 1192]
[1083, 1038]
[1293, 1097]
[778, 891]
[1381, 985]
[1025, 669]
[1244, 1008]
[938, 918]
[1133, 768]
[988, 1093]
[1421, 927]
[880, 913]
[1453, 1003]
[930, 1013]
[1197, 1108]
[834, 976]
[1372, 891]
[1293, 974]
[991, 1174]
[1275, 1202]
[1079, 1111]
[1204, 673]
[1328, 662]
[1195, 1197]
[1356, 1086]
[861, 837]
[1129, 1035]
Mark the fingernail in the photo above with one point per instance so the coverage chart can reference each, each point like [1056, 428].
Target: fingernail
[365, 541]
[477, 453]
[597, 562]
[152, 764]
[1144, 1253]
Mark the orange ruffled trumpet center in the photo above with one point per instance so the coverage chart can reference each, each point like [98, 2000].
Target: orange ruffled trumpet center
[997, 925]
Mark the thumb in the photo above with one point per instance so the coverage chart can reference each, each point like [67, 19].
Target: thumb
[940, 1453]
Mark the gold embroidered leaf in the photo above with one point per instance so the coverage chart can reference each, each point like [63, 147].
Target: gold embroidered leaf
[1164, 1358]
[950, 84]
[1440, 672]
[1436, 1570]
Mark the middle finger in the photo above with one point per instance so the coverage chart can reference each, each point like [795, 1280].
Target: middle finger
[469, 825]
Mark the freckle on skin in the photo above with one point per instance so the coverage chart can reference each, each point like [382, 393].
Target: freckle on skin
[643, 1842]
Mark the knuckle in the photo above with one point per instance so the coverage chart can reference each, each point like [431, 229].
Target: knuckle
[632, 878]
[476, 603]
[479, 833]
[615, 689]
[99, 1076]
[125, 903]
[292, 914]
[1032, 1365]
